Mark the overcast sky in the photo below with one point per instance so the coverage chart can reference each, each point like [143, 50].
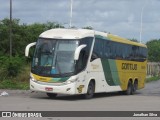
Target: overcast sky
[120, 17]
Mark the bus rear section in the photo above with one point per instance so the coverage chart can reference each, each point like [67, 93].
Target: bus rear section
[123, 63]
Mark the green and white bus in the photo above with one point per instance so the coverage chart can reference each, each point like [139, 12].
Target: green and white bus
[81, 61]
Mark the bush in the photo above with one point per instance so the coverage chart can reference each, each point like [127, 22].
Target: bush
[8, 84]
[10, 67]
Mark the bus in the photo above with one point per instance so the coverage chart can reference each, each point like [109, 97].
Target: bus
[81, 61]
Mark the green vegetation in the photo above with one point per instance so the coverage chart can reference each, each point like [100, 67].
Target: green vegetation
[14, 71]
[10, 84]
[154, 50]
[21, 81]
[134, 40]
[154, 78]
[88, 27]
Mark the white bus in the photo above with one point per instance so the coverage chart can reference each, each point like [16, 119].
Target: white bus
[81, 61]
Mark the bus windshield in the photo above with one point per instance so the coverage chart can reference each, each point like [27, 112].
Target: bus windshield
[54, 57]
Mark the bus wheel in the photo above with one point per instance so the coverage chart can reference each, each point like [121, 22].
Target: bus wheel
[51, 95]
[129, 90]
[90, 91]
[135, 86]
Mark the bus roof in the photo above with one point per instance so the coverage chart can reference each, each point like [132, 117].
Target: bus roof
[117, 38]
[123, 40]
[62, 33]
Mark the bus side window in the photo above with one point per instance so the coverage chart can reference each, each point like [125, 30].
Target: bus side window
[82, 61]
[98, 47]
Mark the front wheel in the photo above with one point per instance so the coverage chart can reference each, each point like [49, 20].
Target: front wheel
[90, 91]
[51, 95]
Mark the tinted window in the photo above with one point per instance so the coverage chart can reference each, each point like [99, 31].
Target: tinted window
[98, 47]
[113, 50]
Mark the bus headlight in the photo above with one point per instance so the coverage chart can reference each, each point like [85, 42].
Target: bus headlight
[71, 80]
[32, 78]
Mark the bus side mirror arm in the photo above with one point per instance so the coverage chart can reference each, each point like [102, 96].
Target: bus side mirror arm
[78, 50]
[28, 47]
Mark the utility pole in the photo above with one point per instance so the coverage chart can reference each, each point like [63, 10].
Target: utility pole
[141, 27]
[140, 37]
[10, 31]
[70, 25]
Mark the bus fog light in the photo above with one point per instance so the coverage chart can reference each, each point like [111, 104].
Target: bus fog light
[32, 86]
[68, 89]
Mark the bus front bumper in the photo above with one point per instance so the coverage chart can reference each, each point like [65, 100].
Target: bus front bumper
[50, 88]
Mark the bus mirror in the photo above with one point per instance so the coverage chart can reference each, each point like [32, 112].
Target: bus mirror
[78, 50]
[28, 47]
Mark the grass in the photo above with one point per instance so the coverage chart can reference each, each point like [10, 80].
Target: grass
[19, 82]
[154, 78]
[9, 84]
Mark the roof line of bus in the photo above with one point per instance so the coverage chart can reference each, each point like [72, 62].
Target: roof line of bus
[117, 38]
[87, 32]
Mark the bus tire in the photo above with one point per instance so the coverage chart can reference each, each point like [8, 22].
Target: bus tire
[135, 86]
[129, 90]
[90, 91]
[51, 95]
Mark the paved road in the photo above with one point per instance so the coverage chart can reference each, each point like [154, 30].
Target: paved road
[147, 99]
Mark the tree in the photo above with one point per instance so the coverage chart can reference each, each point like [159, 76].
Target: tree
[88, 27]
[154, 50]
[4, 34]
[134, 40]
[51, 25]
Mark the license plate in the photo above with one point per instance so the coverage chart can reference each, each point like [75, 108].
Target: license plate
[48, 89]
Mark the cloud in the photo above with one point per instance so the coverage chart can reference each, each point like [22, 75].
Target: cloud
[121, 17]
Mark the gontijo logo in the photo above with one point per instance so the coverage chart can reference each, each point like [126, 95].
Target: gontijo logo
[129, 66]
